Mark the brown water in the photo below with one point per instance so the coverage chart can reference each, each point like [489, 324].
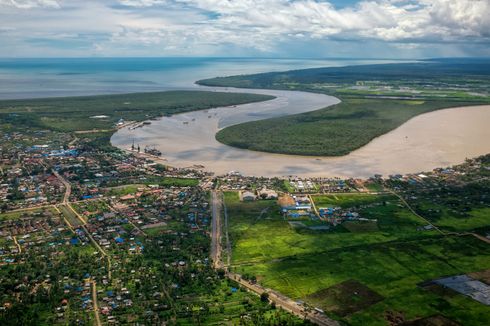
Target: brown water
[431, 140]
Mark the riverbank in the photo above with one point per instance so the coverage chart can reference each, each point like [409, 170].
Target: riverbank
[423, 143]
[104, 112]
[375, 100]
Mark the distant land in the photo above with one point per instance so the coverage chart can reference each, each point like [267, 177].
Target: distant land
[375, 100]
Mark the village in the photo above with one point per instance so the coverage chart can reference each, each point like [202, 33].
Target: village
[66, 203]
[132, 234]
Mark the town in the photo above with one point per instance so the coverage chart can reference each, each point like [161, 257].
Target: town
[96, 236]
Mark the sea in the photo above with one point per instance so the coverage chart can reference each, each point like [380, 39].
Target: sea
[22, 78]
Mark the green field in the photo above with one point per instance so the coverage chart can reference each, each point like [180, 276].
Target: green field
[477, 218]
[349, 200]
[391, 95]
[393, 270]
[26, 213]
[455, 213]
[271, 237]
[375, 267]
[70, 216]
[73, 113]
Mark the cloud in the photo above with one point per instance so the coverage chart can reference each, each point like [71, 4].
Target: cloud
[205, 27]
[143, 3]
[28, 4]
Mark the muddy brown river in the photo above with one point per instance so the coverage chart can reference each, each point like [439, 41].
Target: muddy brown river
[436, 139]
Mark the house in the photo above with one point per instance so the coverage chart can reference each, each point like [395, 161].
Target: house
[248, 196]
[268, 194]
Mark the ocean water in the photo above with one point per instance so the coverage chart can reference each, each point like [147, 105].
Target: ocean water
[34, 78]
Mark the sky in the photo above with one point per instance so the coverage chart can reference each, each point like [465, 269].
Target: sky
[245, 28]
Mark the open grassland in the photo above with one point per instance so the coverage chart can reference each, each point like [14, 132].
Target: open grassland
[349, 200]
[363, 273]
[375, 100]
[271, 237]
[73, 113]
[455, 220]
[393, 270]
[70, 216]
[26, 213]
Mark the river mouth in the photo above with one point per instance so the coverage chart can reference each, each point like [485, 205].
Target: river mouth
[436, 139]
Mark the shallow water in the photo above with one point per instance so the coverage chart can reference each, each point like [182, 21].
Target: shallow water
[431, 140]
[30, 78]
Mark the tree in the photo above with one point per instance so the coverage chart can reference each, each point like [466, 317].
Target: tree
[264, 297]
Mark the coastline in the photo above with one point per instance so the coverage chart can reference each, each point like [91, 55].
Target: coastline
[221, 158]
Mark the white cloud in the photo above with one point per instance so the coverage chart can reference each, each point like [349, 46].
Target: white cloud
[28, 4]
[142, 3]
[204, 27]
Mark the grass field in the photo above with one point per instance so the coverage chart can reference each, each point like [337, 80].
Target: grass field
[375, 267]
[349, 200]
[271, 237]
[28, 213]
[375, 100]
[178, 182]
[70, 216]
[74, 113]
[478, 218]
[393, 270]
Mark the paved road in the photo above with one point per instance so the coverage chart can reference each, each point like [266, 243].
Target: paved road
[216, 229]
[279, 299]
[227, 238]
[66, 202]
[284, 302]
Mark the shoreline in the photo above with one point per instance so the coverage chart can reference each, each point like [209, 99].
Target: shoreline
[244, 160]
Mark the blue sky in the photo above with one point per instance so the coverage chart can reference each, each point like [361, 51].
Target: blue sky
[265, 28]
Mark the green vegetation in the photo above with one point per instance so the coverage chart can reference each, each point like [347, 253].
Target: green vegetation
[375, 100]
[393, 270]
[271, 237]
[360, 272]
[70, 215]
[348, 200]
[452, 206]
[74, 113]
[178, 182]
[333, 131]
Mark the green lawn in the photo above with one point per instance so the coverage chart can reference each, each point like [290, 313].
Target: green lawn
[454, 219]
[124, 190]
[178, 182]
[70, 216]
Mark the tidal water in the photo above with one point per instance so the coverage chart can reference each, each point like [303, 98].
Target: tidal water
[436, 139]
[34, 78]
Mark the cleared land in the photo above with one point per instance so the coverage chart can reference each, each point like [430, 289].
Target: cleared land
[375, 100]
[363, 275]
